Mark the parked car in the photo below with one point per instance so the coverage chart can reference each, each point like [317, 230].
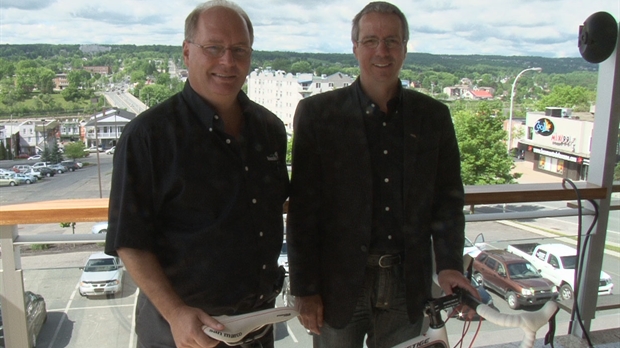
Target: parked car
[46, 171]
[110, 151]
[20, 168]
[94, 149]
[18, 177]
[102, 275]
[36, 316]
[4, 181]
[38, 165]
[71, 165]
[34, 158]
[557, 263]
[26, 178]
[99, 227]
[59, 168]
[513, 277]
[33, 172]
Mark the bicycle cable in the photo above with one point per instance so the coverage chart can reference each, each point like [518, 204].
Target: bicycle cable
[580, 257]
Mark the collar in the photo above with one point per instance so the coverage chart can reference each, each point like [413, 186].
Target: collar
[205, 111]
[367, 104]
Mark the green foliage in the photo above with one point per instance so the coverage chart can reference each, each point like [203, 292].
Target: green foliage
[289, 150]
[75, 150]
[39, 246]
[617, 171]
[578, 98]
[481, 139]
[54, 155]
[3, 152]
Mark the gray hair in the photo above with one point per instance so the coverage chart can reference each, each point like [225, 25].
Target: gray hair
[379, 7]
[191, 22]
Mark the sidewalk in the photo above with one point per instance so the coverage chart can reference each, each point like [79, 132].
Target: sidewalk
[530, 176]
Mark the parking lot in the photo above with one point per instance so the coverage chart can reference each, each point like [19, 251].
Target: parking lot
[75, 321]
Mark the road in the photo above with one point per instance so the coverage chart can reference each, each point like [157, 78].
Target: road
[75, 321]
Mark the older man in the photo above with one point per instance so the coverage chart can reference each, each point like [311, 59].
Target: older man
[197, 192]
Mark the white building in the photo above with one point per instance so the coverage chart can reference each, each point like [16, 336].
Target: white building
[280, 92]
[109, 124]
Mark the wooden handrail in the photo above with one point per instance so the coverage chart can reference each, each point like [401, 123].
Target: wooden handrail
[96, 209]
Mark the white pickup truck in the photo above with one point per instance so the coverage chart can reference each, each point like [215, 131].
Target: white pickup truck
[556, 262]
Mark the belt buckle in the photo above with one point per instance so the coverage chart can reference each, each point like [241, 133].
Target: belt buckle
[381, 261]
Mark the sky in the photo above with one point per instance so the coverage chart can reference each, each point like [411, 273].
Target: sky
[545, 28]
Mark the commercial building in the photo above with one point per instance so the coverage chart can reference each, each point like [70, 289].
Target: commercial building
[558, 141]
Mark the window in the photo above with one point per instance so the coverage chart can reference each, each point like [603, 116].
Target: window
[553, 261]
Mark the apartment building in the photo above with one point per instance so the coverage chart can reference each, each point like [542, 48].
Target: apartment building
[280, 92]
[109, 124]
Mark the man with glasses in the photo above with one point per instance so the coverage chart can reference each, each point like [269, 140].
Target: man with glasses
[197, 192]
[375, 191]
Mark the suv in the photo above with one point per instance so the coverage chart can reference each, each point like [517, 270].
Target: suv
[103, 275]
[71, 165]
[513, 277]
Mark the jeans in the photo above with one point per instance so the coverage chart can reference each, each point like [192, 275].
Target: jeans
[380, 315]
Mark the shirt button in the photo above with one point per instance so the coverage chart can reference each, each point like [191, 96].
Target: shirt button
[264, 266]
[363, 248]
[387, 208]
[385, 152]
[367, 112]
[260, 233]
[254, 200]
[386, 180]
[227, 141]
[216, 117]
[261, 297]
[390, 236]
[384, 124]
[247, 169]
[210, 129]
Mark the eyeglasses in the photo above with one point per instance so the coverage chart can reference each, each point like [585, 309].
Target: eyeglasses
[373, 43]
[217, 51]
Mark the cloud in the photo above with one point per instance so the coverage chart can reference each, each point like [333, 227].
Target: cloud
[30, 5]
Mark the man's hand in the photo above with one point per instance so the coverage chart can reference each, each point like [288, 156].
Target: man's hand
[310, 310]
[449, 279]
[186, 325]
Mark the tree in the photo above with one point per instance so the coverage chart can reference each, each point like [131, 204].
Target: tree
[55, 156]
[75, 150]
[482, 142]
[3, 152]
[301, 67]
[577, 98]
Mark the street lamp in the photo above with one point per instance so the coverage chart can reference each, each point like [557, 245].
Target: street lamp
[512, 95]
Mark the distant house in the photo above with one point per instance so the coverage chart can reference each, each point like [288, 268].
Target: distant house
[60, 82]
[109, 126]
[103, 70]
[477, 94]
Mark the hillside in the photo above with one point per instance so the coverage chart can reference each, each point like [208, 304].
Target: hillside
[414, 61]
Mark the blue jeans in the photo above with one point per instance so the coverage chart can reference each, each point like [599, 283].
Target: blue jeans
[380, 315]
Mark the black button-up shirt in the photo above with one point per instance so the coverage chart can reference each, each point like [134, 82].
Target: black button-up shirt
[384, 132]
[209, 206]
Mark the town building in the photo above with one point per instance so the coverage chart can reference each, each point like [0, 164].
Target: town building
[109, 124]
[280, 92]
[558, 141]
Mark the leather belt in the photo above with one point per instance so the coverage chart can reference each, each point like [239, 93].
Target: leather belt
[384, 261]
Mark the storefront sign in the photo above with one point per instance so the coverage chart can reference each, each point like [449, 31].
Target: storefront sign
[558, 155]
[563, 140]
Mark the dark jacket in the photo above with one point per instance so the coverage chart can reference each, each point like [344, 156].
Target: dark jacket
[330, 204]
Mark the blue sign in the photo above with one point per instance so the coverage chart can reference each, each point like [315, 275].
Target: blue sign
[544, 127]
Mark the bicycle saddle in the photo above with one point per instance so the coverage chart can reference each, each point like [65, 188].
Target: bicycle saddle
[248, 327]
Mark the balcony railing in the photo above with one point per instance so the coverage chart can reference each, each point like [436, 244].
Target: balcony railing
[91, 210]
